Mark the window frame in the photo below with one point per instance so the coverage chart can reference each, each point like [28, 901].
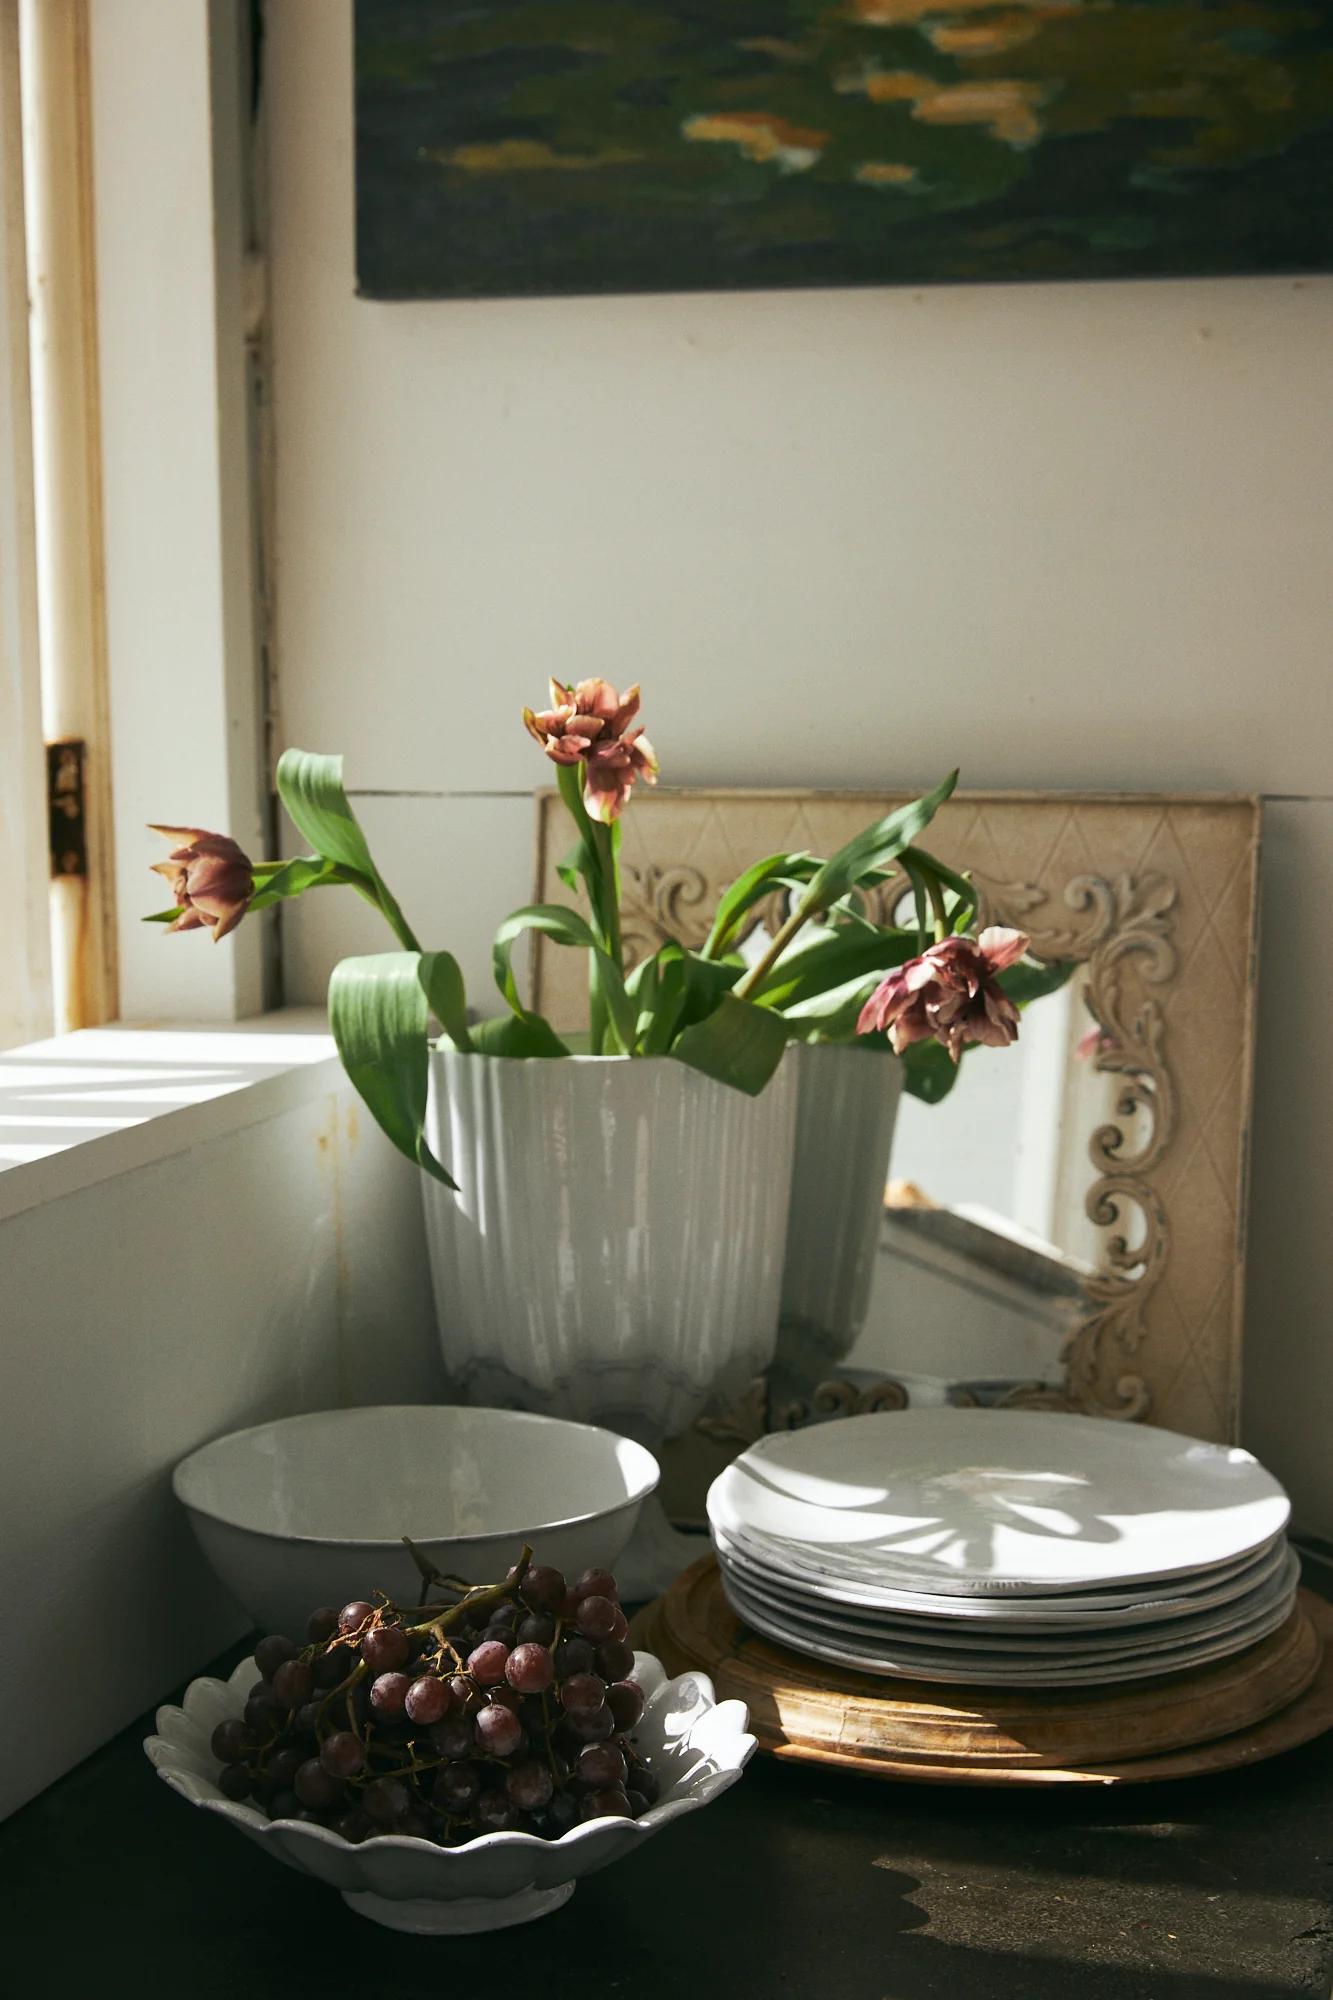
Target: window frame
[25, 960]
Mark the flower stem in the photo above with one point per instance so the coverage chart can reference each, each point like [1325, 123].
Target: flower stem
[799, 917]
[936, 894]
[379, 898]
[607, 843]
[597, 863]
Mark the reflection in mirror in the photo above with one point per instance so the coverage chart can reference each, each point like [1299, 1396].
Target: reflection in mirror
[987, 1242]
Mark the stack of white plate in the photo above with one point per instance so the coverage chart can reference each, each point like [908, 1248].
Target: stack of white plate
[1003, 1547]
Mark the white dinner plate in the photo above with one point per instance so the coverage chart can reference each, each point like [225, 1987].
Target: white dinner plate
[920, 1663]
[996, 1501]
[1153, 1604]
[967, 1641]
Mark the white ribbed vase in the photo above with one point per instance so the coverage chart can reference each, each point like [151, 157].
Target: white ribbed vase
[847, 1105]
[614, 1252]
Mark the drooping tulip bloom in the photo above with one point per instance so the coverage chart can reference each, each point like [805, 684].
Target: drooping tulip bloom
[949, 995]
[590, 723]
[210, 877]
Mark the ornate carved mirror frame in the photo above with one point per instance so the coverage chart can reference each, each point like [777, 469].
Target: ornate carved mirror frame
[1157, 897]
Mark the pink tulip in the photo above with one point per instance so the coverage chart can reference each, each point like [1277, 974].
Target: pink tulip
[210, 877]
[590, 724]
[949, 995]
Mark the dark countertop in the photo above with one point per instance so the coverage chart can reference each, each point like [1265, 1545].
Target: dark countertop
[817, 1884]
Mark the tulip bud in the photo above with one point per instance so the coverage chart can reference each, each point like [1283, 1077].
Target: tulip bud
[210, 877]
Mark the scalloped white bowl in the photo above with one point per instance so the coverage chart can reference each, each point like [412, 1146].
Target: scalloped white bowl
[696, 1745]
[287, 1512]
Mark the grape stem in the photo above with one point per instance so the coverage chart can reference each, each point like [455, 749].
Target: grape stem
[358, 1673]
[429, 1573]
[476, 1600]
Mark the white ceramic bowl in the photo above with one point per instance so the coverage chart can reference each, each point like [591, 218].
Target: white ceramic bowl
[311, 1510]
[697, 1746]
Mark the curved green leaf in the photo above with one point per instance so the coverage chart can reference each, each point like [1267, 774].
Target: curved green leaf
[1031, 978]
[775, 871]
[378, 1014]
[657, 988]
[442, 983]
[293, 878]
[832, 1016]
[929, 1072]
[738, 1044]
[520, 1035]
[875, 846]
[567, 927]
[706, 980]
[912, 858]
[310, 786]
[819, 961]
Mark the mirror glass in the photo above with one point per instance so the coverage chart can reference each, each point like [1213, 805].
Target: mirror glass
[987, 1245]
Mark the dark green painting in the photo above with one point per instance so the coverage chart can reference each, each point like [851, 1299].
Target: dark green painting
[549, 146]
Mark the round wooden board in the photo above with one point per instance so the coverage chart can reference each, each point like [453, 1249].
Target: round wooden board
[1268, 1699]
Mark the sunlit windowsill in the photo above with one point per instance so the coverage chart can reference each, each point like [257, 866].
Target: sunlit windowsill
[79, 1108]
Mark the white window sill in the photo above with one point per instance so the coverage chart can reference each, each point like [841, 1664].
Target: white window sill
[80, 1108]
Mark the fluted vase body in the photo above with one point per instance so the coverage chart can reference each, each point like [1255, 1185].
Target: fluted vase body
[615, 1250]
[847, 1106]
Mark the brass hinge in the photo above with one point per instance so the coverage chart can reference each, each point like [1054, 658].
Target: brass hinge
[66, 806]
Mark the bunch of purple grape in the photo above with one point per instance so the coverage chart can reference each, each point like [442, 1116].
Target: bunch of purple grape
[510, 1707]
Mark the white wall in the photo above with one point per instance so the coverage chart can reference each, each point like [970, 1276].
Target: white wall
[1065, 535]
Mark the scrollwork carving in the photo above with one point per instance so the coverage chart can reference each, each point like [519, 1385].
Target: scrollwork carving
[1126, 943]
[837, 1397]
[663, 905]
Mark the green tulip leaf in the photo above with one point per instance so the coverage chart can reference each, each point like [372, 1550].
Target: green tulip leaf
[446, 995]
[929, 1071]
[875, 846]
[1031, 979]
[776, 871]
[523, 1036]
[913, 861]
[310, 786]
[821, 959]
[567, 927]
[657, 989]
[378, 1014]
[293, 878]
[738, 1044]
[831, 1016]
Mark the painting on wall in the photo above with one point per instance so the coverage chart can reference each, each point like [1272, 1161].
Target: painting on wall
[538, 147]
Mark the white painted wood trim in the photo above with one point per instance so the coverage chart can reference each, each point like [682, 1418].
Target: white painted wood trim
[170, 103]
[67, 479]
[25, 961]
